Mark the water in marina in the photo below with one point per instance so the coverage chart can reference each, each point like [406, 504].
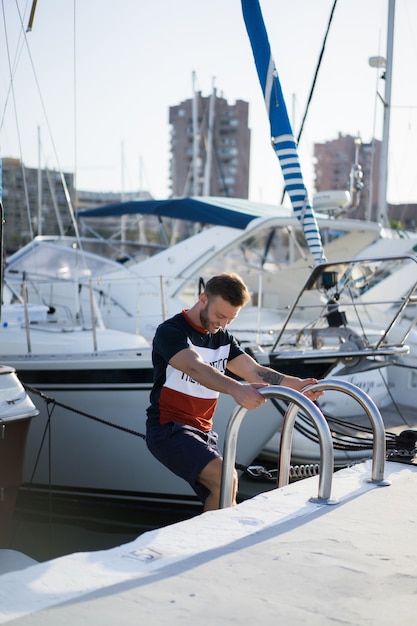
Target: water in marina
[45, 526]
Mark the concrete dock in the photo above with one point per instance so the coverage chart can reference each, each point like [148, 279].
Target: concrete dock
[277, 558]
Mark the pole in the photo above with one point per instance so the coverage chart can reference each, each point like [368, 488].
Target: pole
[382, 216]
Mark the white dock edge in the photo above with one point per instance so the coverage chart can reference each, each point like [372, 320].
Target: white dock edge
[276, 558]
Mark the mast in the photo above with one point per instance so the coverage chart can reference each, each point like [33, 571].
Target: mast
[39, 184]
[383, 162]
[195, 139]
[122, 193]
[1, 234]
[209, 151]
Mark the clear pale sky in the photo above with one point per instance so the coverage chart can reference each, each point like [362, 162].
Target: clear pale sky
[107, 73]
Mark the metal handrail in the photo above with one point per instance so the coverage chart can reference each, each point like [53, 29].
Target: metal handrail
[377, 423]
[300, 401]
[326, 446]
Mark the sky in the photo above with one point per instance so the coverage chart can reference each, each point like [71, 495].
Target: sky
[94, 79]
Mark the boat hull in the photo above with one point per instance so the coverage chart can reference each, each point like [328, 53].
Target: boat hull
[89, 436]
[16, 413]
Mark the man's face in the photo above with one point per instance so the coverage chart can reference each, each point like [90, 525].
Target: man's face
[216, 313]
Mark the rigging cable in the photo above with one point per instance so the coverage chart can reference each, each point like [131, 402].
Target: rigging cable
[12, 72]
[60, 171]
[300, 132]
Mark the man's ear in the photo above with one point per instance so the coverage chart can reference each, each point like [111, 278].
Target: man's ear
[203, 298]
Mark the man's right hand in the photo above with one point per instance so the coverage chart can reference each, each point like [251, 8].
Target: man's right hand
[247, 395]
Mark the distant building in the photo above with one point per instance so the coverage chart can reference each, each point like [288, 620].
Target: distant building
[126, 227]
[24, 205]
[403, 215]
[92, 199]
[31, 208]
[212, 163]
[333, 166]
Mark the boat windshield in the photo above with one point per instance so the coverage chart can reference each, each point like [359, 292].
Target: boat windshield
[57, 259]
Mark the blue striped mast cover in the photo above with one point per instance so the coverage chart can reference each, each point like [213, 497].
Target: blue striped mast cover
[282, 137]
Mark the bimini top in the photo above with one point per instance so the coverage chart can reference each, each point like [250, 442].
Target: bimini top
[234, 212]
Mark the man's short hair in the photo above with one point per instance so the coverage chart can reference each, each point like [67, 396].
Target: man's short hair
[230, 287]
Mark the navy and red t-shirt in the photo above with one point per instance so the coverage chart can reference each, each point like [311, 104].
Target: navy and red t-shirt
[175, 396]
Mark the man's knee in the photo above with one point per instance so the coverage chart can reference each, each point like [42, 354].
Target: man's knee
[211, 476]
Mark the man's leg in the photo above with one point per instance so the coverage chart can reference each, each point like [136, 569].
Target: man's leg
[211, 477]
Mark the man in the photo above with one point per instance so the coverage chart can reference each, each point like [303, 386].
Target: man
[191, 352]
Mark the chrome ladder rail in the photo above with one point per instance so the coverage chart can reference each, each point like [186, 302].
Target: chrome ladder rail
[377, 423]
[298, 400]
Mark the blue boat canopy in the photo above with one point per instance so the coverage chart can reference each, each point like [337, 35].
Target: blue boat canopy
[234, 212]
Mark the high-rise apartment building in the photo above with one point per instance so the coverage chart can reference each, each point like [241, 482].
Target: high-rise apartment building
[210, 147]
[334, 166]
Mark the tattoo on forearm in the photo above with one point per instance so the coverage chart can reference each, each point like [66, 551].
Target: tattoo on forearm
[272, 377]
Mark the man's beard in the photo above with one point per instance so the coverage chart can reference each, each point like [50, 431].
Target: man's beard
[204, 318]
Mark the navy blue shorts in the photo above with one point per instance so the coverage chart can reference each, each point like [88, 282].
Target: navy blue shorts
[184, 450]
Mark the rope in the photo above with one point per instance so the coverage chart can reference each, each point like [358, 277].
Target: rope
[297, 471]
[355, 443]
[55, 402]
[48, 400]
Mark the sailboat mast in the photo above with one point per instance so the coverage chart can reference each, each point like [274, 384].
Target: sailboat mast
[382, 216]
[195, 185]
[39, 184]
[209, 150]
